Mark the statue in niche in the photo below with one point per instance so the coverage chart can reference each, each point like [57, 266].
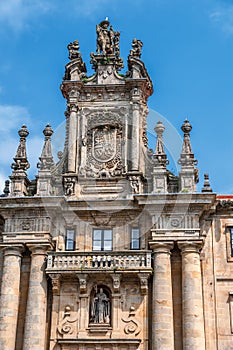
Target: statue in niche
[100, 307]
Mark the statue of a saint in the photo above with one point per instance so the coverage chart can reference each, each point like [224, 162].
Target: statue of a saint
[100, 308]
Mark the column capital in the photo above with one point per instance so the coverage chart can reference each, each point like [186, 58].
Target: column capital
[161, 247]
[190, 247]
[39, 248]
[9, 249]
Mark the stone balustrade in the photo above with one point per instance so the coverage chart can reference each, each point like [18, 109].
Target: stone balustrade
[94, 261]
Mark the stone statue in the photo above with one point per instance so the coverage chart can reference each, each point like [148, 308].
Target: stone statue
[136, 50]
[107, 39]
[73, 50]
[100, 308]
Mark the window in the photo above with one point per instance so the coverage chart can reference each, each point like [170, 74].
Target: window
[231, 240]
[70, 239]
[102, 240]
[135, 238]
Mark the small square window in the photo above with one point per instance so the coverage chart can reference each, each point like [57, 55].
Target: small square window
[70, 239]
[135, 238]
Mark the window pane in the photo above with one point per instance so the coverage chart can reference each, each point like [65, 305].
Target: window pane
[107, 245]
[70, 234]
[97, 235]
[135, 233]
[135, 238]
[70, 239]
[107, 234]
[69, 245]
[231, 234]
[135, 244]
[97, 245]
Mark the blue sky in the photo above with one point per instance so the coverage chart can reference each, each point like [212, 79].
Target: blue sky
[188, 51]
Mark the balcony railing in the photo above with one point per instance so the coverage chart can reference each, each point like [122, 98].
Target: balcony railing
[98, 261]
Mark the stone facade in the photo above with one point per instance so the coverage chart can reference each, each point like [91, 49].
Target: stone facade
[106, 249]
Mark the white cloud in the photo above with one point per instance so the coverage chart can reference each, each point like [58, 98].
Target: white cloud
[222, 15]
[17, 13]
[12, 117]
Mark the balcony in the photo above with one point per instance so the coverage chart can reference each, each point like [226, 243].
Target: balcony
[128, 261]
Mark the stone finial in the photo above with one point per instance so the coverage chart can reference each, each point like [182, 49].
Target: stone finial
[160, 162]
[189, 173]
[187, 156]
[206, 187]
[46, 158]
[160, 156]
[136, 50]
[20, 160]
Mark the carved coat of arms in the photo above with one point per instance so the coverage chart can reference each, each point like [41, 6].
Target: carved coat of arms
[104, 143]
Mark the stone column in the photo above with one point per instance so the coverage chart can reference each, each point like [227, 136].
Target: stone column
[72, 139]
[35, 323]
[162, 307]
[9, 300]
[193, 320]
[135, 137]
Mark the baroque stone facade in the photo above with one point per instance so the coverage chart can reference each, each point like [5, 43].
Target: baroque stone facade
[107, 249]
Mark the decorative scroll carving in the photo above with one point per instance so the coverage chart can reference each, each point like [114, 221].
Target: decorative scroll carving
[135, 183]
[133, 325]
[26, 225]
[226, 203]
[66, 327]
[69, 184]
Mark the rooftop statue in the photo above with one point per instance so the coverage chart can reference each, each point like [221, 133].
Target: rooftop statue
[136, 50]
[73, 50]
[107, 39]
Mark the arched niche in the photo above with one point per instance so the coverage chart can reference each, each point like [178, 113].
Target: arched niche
[100, 312]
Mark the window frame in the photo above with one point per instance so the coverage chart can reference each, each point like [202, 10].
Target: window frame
[102, 239]
[231, 240]
[135, 239]
[70, 240]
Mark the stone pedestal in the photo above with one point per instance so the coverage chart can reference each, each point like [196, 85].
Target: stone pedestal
[9, 300]
[193, 321]
[35, 323]
[162, 312]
